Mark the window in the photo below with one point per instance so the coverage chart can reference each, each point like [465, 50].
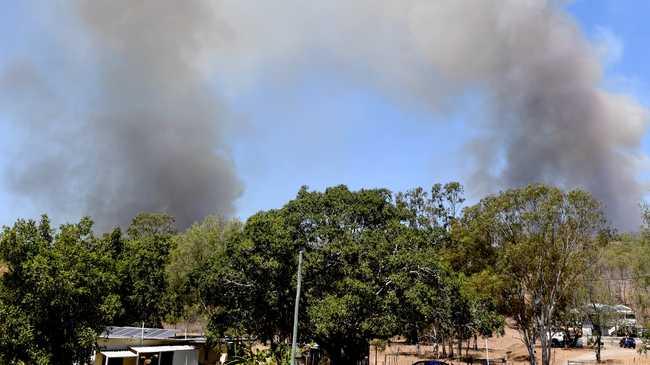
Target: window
[115, 361]
[167, 358]
[148, 359]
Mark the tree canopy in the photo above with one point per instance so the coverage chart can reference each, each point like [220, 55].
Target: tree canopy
[57, 294]
[372, 270]
[545, 239]
[377, 264]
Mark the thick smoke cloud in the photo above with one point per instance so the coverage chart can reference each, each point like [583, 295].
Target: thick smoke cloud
[154, 135]
[134, 126]
[547, 117]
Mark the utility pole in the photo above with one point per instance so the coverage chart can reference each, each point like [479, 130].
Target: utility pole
[294, 341]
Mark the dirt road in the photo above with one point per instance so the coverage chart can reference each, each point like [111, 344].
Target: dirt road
[609, 353]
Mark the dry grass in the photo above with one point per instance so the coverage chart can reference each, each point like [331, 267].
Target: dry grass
[509, 348]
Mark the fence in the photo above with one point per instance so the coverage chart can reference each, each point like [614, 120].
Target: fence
[637, 360]
[402, 354]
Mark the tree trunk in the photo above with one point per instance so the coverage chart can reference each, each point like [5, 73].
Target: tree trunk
[444, 347]
[531, 353]
[529, 339]
[338, 356]
[545, 333]
[437, 340]
[475, 342]
[598, 347]
[460, 343]
[451, 347]
[545, 339]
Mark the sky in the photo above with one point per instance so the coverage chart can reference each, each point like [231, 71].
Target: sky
[355, 135]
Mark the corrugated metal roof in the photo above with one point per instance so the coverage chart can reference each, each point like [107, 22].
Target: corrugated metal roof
[153, 349]
[111, 354]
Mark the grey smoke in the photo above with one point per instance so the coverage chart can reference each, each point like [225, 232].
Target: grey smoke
[155, 135]
[147, 135]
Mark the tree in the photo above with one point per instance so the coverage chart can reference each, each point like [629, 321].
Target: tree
[57, 293]
[481, 291]
[545, 239]
[248, 288]
[371, 270]
[597, 295]
[191, 252]
[141, 266]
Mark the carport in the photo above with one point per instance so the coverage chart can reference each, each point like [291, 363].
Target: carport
[166, 355]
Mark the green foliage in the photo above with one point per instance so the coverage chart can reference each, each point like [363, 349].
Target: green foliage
[479, 292]
[372, 270]
[191, 254]
[624, 273]
[248, 288]
[545, 240]
[141, 266]
[282, 356]
[56, 294]
[376, 265]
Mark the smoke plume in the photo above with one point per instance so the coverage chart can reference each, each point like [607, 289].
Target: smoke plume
[155, 132]
[149, 133]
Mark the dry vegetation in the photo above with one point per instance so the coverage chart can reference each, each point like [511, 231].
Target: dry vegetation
[508, 347]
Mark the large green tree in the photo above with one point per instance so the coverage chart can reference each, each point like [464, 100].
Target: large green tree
[190, 254]
[57, 292]
[248, 286]
[142, 259]
[372, 270]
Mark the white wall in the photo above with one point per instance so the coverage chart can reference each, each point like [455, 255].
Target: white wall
[186, 357]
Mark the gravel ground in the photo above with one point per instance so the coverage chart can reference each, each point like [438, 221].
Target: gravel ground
[609, 353]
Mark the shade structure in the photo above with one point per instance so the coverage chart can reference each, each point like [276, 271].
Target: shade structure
[122, 354]
[154, 349]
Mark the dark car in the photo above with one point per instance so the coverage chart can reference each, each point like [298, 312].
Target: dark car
[430, 362]
[557, 343]
[628, 343]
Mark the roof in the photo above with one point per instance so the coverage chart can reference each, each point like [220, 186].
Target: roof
[152, 349]
[112, 354]
[138, 332]
[623, 308]
[620, 308]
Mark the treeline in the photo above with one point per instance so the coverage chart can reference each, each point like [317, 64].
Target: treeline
[376, 264]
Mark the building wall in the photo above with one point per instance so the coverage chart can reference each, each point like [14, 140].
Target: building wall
[203, 355]
[186, 357]
[99, 360]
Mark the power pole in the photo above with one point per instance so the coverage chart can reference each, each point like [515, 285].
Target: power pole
[294, 341]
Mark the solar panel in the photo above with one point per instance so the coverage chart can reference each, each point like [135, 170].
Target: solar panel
[135, 332]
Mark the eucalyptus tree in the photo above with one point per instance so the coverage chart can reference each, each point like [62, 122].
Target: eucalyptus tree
[545, 239]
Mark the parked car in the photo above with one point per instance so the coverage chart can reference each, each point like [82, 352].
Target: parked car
[559, 340]
[628, 343]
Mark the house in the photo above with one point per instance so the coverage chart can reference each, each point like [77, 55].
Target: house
[617, 319]
[151, 346]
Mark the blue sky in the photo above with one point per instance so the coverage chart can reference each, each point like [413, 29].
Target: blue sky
[376, 143]
[360, 138]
